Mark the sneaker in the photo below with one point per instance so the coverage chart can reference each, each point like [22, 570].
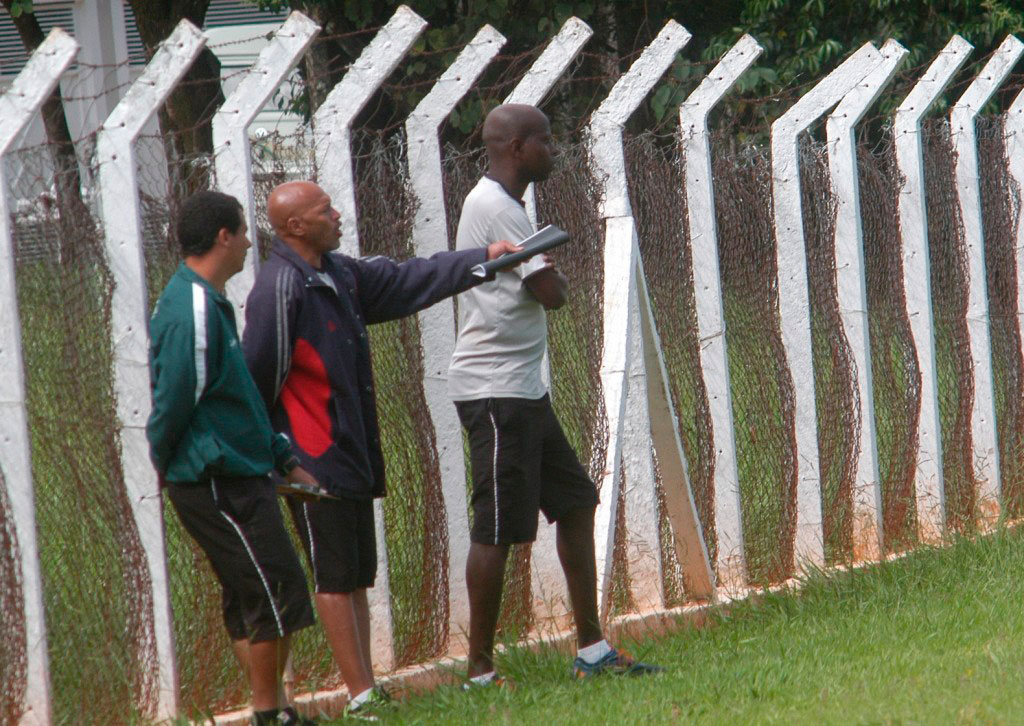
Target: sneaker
[286, 717]
[499, 681]
[372, 708]
[617, 662]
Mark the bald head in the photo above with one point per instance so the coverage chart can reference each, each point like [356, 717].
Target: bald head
[512, 122]
[519, 146]
[302, 216]
[290, 200]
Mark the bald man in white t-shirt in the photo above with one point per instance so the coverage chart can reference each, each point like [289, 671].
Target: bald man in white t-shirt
[520, 458]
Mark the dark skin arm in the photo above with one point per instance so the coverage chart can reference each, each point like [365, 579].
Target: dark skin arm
[549, 286]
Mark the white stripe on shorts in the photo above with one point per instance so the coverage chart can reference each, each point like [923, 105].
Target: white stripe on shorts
[312, 546]
[259, 570]
[494, 475]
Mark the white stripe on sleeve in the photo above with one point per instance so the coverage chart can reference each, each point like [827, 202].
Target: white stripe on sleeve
[199, 321]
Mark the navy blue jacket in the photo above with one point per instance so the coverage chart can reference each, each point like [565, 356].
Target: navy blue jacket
[309, 353]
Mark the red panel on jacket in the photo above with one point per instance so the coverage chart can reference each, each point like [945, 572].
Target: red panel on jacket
[305, 396]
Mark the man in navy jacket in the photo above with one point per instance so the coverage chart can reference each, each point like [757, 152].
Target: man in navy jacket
[307, 348]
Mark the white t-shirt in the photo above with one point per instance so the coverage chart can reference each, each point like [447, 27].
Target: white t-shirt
[502, 327]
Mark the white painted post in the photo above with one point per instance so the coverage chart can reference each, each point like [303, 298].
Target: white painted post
[929, 486]
[437, 324]
[851, 286]
[794, 297]
[332, 123]
[621, 257]
[232, 155]
[714, 361]
[18, 107]
[643, 523]
[332, 133]
[122, 222]
[543, 75]
[965, 143]
[1015, 156]
[550, 596]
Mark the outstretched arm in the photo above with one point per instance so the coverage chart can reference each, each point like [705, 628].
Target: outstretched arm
[389, 290]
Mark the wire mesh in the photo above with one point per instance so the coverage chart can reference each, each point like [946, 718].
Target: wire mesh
[895, 376]
[762, 389]
[13, 653]
[96, 582]
[950, 277]
[1000, 206]
[836, 394]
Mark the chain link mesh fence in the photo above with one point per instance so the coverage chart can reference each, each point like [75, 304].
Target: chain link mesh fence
[1000, 207]
[763, 403]
[895, 376]
[13, 653]
[950, 277]
[95, 580]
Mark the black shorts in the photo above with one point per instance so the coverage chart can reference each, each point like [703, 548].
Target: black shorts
[340, 541]
[521, 463]
[238, 524]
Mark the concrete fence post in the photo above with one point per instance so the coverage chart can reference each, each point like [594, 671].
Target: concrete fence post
[18, 106]
[232, 155]
[714, 361]
[332, 134]
[437, 324]
[794, 295]
[917, 286]
[332, 122]
[851, 286]
[120, 211]
[984, 433]
[624, 375]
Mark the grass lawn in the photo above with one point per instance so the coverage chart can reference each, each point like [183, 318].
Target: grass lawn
[933, 638]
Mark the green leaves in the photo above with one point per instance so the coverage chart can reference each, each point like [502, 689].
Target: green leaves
[21, 6]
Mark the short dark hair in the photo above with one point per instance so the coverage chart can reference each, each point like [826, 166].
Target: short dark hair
[203, 216]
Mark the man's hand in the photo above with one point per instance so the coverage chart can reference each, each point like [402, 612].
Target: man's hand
[298, 475]
[309, 490]
[548, 285]
[501, 247]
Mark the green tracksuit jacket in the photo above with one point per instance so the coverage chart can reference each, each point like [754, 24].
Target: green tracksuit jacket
[208, 418]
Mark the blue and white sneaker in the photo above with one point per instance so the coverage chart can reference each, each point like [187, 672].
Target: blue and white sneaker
[615, 661]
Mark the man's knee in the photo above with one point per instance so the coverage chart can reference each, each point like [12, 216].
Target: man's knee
[578, 517]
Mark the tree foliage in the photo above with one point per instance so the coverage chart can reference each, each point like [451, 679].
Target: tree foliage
[803, 40]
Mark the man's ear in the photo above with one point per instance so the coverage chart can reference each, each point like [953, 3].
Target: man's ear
[294, 226]
[222, 236]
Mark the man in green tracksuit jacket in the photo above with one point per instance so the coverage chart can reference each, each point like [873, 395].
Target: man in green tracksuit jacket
[212, 444]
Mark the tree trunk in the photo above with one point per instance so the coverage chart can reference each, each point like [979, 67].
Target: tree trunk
[186, 118]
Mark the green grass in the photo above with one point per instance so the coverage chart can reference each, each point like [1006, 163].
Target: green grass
[932, 638]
